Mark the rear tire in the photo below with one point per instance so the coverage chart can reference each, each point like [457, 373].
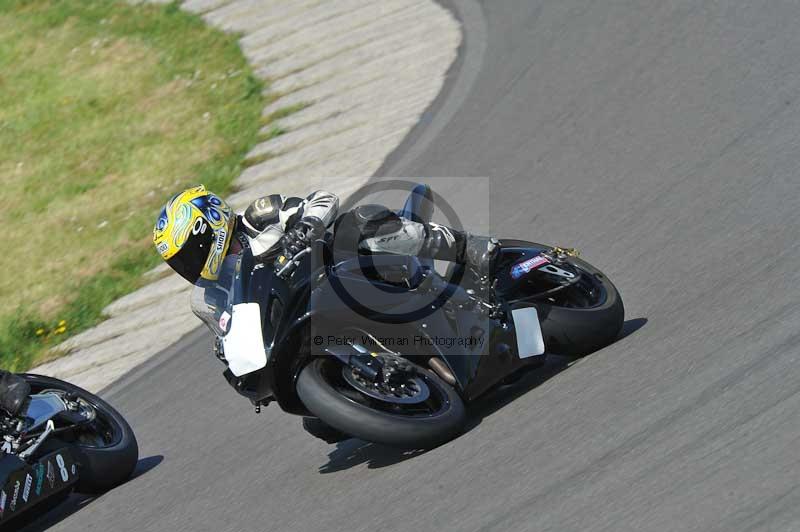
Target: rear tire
[370, 424]
[102, 468]
[579, 331]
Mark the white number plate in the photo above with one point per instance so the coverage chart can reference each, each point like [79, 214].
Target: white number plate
[244, 343]
[529, 332]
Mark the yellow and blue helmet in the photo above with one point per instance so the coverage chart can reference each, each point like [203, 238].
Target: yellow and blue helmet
[193, 233]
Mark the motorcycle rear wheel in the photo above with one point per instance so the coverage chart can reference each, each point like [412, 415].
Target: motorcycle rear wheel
[110, 459]
[334, 401]
[579, 330]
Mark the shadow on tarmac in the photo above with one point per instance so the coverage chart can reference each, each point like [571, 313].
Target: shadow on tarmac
[353, 452]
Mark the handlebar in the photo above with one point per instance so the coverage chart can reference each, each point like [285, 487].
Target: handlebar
[293, 262]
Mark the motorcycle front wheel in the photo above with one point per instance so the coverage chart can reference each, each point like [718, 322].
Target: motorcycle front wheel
[106, 449]
[438, 416]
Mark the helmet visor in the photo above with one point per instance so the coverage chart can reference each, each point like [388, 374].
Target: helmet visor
[191, 259]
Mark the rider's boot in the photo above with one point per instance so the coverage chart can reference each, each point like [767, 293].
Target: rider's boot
[478, 253]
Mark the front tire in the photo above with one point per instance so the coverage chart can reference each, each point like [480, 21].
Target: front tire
[102, 466]
[324, 396]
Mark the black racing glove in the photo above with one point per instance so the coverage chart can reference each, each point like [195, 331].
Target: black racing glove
[301, 235]
[14, 390]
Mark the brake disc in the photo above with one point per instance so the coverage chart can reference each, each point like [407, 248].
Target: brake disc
[400, 386]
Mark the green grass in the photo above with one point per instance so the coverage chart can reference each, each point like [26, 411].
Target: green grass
[106, 109]
[274, 130]
[289, 110]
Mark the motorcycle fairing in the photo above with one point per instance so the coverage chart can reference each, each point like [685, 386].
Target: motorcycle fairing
[24, 485]
[475, 370]
[308, 300]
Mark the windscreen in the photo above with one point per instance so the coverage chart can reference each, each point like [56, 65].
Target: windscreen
[212, 300]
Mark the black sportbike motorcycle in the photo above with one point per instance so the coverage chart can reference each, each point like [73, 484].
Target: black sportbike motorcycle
[386, 349]
[57, 438]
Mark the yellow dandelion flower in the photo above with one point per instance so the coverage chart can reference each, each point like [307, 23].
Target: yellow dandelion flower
[60, 330]
[39, 332]
[62, 323]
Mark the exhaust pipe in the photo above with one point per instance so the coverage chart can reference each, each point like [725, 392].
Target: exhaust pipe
[441, 369]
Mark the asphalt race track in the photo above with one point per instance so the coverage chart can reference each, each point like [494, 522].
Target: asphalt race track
[662, 138]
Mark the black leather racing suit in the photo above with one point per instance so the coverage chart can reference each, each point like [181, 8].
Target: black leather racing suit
[373, 228]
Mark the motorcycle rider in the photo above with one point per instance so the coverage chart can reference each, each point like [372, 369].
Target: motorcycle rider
[196, 230]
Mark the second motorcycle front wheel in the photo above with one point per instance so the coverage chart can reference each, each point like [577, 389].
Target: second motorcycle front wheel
[437, 418]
